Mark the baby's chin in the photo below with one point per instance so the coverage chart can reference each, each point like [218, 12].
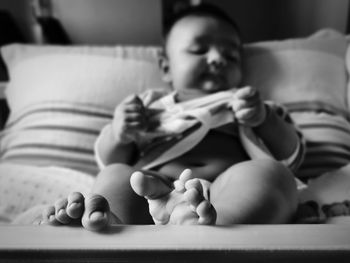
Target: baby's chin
[209, 87]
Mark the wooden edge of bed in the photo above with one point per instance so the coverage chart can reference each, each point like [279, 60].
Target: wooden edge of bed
[240, 243]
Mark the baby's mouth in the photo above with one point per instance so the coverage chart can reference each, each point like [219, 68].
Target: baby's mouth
[216, 75]
[214, 82]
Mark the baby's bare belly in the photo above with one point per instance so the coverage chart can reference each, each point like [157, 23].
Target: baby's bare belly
[208, 159]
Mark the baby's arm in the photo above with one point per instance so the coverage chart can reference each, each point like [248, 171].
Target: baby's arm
[276, 130]
[116, 142]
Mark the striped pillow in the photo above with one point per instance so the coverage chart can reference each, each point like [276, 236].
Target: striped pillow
[54, 134]
[327, 134]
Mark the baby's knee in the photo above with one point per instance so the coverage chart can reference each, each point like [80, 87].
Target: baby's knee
[272, 177]
[277, 175]
[274, 171]
[282, 179]
[280, 184]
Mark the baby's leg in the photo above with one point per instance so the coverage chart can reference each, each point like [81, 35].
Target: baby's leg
[183, 203]
[113, 183]
[111, 195]
[254, 192]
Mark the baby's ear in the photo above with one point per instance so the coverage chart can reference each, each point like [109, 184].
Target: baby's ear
[164, 66]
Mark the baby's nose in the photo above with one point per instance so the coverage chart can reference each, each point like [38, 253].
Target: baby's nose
[216, 58]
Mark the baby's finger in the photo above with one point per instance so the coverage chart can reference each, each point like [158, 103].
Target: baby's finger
[251, 117]
[246, 92]
[132, 99]
[239, 104]
[133, 117]
[245, 113]
[134, 125]
[129, 108]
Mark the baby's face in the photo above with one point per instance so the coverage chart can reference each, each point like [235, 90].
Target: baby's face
[203, 56]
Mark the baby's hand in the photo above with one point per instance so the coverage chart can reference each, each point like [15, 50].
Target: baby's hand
[129, 119]
[248, 107]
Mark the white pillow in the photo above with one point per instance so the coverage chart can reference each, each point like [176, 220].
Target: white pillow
[88, 75]
[60, 98]
[300, 70]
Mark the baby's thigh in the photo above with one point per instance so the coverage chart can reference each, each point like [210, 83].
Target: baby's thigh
[259, 169]
[256, 176]
[257, 191]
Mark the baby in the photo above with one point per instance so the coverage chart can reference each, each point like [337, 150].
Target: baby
[210, 152]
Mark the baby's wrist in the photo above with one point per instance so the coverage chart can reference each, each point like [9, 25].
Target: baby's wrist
[119, 138]
[265, 115]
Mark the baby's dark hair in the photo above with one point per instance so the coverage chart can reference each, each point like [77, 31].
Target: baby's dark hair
[199, 10]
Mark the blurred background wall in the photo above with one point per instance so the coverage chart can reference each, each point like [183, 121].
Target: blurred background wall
[140, 21]
[278, 19]
[111, 21]
[95, 21]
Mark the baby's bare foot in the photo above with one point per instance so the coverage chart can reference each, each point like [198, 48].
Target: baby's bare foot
[183, 204]
[91, 211]
[157, 192]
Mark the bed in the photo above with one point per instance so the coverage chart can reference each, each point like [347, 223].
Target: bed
[61, 96]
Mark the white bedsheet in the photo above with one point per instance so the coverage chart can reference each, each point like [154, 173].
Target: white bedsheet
[331, 193]
[24, 186]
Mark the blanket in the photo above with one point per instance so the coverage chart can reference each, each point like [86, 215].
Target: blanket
[25, 186]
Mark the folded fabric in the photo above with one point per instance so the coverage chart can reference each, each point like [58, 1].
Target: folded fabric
[181, 126]
[178, 127]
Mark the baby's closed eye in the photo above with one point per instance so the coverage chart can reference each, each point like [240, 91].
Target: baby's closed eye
[197, 49]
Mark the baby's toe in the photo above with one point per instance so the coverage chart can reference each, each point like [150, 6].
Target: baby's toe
[202, 186]
[48, 216]
[194, 183]
[158, 211]
[185, 175]
[60, 211]
[97, 213]
[149, 186]
[193, 198]
[206, 213]
[137, 182]
[75, 206]
[179, 184]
